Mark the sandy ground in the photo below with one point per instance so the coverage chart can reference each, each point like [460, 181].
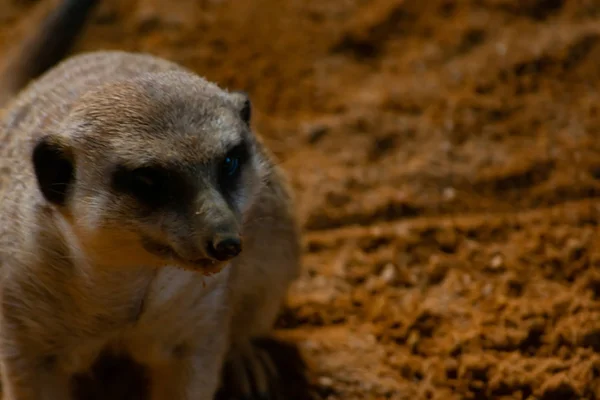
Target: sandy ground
[446, 159]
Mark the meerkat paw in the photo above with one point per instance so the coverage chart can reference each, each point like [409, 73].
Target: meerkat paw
[264, 369]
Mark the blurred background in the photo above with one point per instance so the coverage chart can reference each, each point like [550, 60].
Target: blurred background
[446, 160]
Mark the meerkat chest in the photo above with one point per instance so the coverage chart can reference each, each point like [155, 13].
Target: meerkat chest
[183, 311]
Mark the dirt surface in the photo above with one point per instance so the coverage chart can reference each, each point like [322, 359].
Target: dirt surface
[446, 158]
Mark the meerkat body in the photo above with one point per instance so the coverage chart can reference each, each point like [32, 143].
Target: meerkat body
[139, 215]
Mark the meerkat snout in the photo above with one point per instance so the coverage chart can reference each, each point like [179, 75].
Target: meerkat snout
[214, 245]
[224, 248]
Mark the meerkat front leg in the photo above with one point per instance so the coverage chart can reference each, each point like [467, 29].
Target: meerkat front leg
[249, 373]
[189, 376]
[189, 379]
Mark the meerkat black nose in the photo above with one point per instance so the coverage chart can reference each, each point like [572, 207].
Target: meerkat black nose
[226, 248]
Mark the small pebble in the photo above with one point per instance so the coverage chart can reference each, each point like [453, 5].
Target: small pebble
[497, 261]
[325, 381]
[389, 274]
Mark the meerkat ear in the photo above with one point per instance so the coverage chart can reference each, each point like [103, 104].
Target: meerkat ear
[54, 168]
[242, 102]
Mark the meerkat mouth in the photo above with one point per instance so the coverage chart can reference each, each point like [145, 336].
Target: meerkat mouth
[168, 254]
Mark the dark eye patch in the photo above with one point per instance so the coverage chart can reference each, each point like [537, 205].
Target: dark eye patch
[230, 167]
[152, 185]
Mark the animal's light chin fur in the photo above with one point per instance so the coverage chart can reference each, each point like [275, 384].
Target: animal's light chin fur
[101, 248]
[205, 269]
[120, 250]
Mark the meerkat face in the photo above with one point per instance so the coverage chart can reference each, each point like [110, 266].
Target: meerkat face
[157, 171]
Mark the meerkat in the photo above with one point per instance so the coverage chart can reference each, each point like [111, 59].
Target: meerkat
[141, 216]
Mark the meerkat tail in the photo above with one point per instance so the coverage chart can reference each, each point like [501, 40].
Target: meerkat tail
[44, 47]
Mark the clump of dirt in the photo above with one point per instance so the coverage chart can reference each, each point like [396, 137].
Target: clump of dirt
[446, 160]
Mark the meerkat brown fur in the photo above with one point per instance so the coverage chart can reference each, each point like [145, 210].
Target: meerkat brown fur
[139, 213]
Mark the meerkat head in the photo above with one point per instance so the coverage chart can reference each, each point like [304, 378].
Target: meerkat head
[159, 170]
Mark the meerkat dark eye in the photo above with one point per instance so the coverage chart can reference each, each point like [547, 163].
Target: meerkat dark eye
[231, 165]
[150, 185]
